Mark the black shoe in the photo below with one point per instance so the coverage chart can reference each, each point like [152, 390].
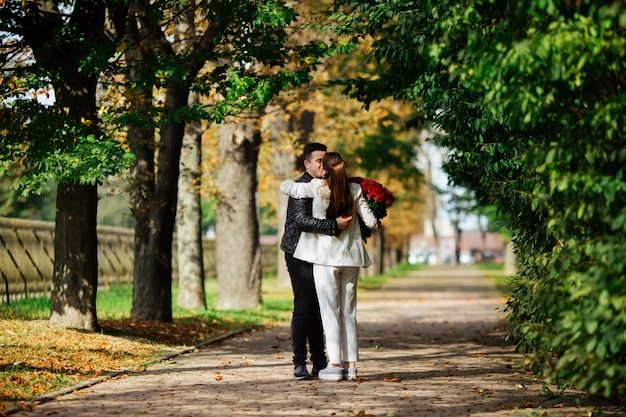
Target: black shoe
[316, 370]
[300, 373]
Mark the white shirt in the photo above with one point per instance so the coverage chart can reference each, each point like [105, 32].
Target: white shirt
[344, 250]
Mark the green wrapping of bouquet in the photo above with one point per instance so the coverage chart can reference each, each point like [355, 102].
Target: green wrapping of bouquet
[366, 232]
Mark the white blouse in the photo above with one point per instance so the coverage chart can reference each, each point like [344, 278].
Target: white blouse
[344, 250]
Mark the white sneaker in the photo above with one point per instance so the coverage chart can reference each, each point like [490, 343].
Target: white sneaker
[350, 374]
[331, 374]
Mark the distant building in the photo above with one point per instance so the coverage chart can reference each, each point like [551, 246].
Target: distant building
[422, 248]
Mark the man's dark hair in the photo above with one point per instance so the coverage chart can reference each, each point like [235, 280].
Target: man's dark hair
[312, 147]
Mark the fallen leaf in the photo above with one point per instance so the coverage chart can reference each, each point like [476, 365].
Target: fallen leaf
[484, 392]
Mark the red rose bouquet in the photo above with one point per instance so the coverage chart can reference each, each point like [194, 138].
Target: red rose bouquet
[378, 199]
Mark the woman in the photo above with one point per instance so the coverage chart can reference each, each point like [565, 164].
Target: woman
[336, 260]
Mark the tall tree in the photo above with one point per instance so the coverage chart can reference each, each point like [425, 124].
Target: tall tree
[234, 64]
[153, 244]
[189, 218]
[189, 211]
[62, 46]
[238, 256]
[140, 133]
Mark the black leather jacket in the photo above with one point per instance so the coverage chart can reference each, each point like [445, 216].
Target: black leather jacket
[300, 219]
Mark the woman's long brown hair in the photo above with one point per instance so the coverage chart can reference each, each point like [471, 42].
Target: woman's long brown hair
[337, 178]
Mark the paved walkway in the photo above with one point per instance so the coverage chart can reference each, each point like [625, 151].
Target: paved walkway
[431, 344]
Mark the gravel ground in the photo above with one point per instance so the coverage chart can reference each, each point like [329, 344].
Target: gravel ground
[431, 344]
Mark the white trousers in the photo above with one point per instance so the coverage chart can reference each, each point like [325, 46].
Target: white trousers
[336, 293]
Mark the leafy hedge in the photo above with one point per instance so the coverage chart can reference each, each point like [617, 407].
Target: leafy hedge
[532, 99]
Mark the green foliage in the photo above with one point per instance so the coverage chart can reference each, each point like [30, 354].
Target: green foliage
[243, 91]
[530, 100]
[51, 145]
[59, 140]
[386, 149]
[248, 62]
[209, 211]
[14, 204]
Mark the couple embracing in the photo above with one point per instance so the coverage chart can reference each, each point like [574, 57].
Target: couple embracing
[324, 252]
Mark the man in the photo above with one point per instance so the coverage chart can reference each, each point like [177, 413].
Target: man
[306, 323]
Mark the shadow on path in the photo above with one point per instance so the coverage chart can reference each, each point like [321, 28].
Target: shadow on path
[431, 344]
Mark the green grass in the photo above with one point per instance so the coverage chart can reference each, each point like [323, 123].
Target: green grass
[115, 303]
[376, 281]
[37, 308]
[276, 306]
[491, 266]
[402, 270]
[496, 271]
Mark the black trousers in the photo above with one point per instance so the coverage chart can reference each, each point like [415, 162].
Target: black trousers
[306, 323]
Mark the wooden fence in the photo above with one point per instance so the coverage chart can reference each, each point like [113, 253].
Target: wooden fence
[27, 257]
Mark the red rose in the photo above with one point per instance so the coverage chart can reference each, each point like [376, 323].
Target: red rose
[378, 197]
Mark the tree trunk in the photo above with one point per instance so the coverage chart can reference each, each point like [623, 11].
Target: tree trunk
[480, 255]
[141, 200]
[152, 294]
[75, 281]
[433, 196]
[510, 259]
[456, 259]
[189, 219]
[153, 263]
[238, 251]
[75, 277]
[142, 142]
